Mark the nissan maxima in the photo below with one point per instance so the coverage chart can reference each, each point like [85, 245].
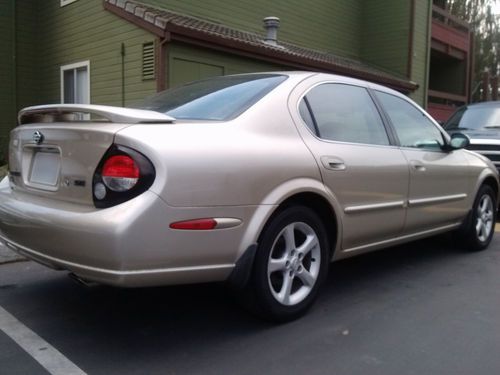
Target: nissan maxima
[260, 180]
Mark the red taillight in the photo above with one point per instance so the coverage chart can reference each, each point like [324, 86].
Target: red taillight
[197, 224]
[120, 173]
[120, 166]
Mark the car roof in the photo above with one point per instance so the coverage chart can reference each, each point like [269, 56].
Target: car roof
[335, 77]
[483, 104]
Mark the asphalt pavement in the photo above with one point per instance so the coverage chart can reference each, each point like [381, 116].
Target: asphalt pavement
[425, 308]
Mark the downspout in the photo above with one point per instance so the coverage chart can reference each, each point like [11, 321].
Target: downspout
[122, 52]
[428, 56]
[411, 39]
[471, 62]
[162, 58]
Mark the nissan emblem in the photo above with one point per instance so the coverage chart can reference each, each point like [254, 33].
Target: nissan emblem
[38, 137]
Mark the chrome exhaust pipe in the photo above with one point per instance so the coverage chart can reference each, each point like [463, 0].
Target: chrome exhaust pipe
[81, 281]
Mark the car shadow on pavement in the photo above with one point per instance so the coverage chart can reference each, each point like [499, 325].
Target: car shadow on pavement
[392, 271]
[154, 323]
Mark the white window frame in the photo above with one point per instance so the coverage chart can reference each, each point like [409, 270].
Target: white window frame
[77, 65]
[66, 2]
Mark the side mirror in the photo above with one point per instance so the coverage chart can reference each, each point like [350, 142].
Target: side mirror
[458, 141]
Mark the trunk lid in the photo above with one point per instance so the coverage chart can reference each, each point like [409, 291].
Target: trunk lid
[56, 149]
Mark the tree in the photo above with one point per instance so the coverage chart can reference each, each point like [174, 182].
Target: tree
[485, 27]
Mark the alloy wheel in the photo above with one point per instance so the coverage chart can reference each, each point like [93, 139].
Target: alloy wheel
[294, 263]
[484, 220]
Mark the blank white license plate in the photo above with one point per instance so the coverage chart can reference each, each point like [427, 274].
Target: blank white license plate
[45, 168]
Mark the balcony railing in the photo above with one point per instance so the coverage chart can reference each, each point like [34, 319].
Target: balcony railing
[441, 105]
[448, 97]
[444, 17]
[450, 35]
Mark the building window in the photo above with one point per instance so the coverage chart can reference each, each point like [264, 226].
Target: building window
[66, 2]
[75, 83]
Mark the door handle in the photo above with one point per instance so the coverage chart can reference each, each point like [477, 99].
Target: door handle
[418, 166]
[333, 163]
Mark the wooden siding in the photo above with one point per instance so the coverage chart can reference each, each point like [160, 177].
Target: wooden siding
[49, 36]
[27, 55]
[7, 72]
[187, 63]
[325, 25]
[84, 31]
[385, 42]
[421, 50]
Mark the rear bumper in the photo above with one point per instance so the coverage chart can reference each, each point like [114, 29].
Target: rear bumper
[126, 245]
[128, 278]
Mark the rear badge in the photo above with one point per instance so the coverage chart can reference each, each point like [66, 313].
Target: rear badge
[38, 137]
[68, 181]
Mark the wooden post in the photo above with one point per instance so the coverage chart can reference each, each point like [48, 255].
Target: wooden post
[494, 88]
[486, 87]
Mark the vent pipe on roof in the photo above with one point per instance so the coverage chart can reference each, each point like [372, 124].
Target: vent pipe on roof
[271, 24]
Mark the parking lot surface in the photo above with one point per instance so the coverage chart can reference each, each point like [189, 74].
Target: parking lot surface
[422, 308]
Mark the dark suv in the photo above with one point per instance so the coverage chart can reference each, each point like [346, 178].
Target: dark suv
[481, 122]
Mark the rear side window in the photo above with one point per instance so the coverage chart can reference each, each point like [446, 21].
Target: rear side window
[344, 113]
[218, 98]
[412, 127]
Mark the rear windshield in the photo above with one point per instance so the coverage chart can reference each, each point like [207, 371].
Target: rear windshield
[219, 98]
[473, 118]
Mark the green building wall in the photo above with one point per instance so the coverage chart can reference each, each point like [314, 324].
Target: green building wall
[421, 50]
[325, 25]
[385, 40]
[187, 63]
[83, 31]
[27, 55]
[38, 37]
[7, 72]
[18, 69]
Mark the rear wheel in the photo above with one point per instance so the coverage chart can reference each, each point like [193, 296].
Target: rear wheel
[480, 228]
[291, 263]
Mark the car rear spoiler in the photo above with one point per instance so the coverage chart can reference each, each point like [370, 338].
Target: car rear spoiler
[77, 112]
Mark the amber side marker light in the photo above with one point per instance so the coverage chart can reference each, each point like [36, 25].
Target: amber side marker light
[197, 224]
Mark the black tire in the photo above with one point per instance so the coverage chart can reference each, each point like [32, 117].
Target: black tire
[478, 230]
[304, 271]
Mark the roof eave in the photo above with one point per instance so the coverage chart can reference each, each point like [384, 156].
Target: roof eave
[162, 29]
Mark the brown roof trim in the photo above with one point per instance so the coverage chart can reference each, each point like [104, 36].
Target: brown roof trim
[135, 18]
[167, 24]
